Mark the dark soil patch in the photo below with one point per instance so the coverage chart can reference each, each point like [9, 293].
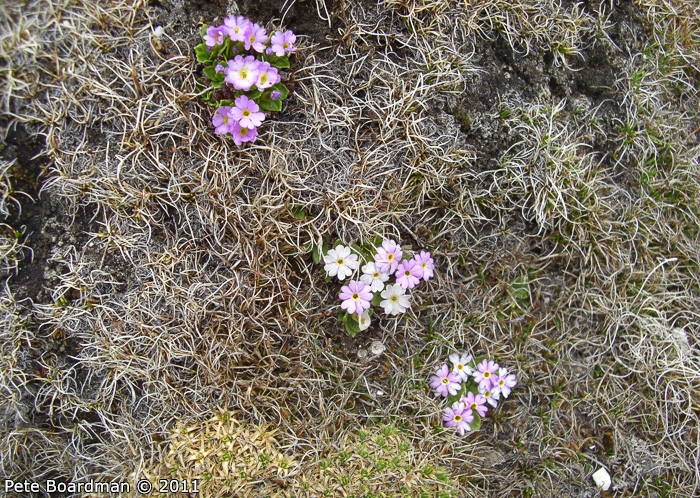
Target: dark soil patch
[44, 222]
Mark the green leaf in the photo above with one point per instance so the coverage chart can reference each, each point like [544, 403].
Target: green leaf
[377, 299]
[317, 254]
[284, 91]
[232, 49]
[210, 72]
[204, 30]
[357, 249]
[351, 326]
[202, 55]
[253, 94]
[278, 62]
[270, 105]
[300, 214]
[217, 49]
[476, 423]
[520, 290]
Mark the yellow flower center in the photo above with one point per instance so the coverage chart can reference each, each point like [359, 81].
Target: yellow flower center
[474, 406]
[407, 273]
[225, 120]
[246, 113]
[243, 73]
[340, 261]
[487, 374]
[394, 298]
[375, 274]
[285, 45]
[445, 380]
[356, 296]
[390, 257]
[263, 78]
[244, 132]
[458, 418]
[460, 366]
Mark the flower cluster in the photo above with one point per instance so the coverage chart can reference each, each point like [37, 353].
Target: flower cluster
[242, 68]
[382, 260]
[469, 386]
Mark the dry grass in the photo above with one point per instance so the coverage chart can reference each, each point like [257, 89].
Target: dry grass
[573, 264]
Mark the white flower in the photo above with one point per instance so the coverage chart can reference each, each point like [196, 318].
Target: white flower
[492, 395]
[363, 320]
[377, 348]
[395, 300]
[341, 262]
[459, 365]
[373, 277]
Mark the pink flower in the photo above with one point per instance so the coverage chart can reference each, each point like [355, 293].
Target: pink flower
[445, 382]
[283, 42]
[222, 120]
[246, 112]
[237, 27]
[476, 403]
[408, 273]
[242, 72]
[255, 37]
[505, 382]
[268, 76]
[215, 35]
[356, 297]
[388, 256]
[426, 264]
[458, 417]
[241, 134]
[486, 373]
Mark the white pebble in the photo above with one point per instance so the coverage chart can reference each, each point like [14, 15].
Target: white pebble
[602, 479]
[159, 32]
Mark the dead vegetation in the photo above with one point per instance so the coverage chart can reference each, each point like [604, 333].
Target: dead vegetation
[571, 256]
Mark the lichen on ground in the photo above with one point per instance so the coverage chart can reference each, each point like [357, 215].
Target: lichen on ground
[546, 153]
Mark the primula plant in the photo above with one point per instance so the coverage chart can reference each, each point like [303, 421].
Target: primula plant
[469, 386]
[242, 66]
[379, 261]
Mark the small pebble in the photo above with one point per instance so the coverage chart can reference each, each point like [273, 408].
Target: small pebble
[602, 479]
